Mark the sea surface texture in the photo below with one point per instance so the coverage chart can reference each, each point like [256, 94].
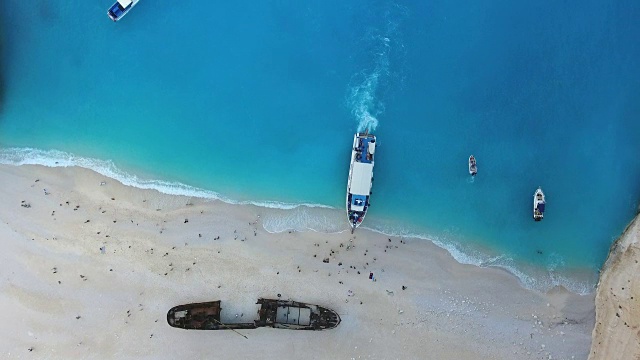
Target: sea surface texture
[257, 102]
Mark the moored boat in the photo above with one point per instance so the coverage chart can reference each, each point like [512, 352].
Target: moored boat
[280, 314]
[360, 178]
[538, 205]
[120, 8]
[473, 168]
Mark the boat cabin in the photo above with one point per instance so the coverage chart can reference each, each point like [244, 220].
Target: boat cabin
[365, 149]
[120, 8]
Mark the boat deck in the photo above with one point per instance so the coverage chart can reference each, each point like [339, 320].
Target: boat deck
[360, 177]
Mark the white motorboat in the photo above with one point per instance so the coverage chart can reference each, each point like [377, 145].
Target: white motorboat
[120, 8]
[473, 168]
[360, 178]
[538, 205]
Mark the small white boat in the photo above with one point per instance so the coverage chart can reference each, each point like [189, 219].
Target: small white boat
[473, 168]
[120, 8]
[538, 205]
[360, 178]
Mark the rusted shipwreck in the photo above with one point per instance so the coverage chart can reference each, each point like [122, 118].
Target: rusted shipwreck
[280, 314]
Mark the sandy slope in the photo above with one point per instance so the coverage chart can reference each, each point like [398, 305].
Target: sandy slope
[617, 330]
[63, 298]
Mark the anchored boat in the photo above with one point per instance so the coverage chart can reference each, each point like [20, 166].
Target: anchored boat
[280, 314]
[121, 7]
[473, 168]
[360, 178]
[538, 205]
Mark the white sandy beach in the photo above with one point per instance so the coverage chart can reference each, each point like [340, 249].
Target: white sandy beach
[65, 299]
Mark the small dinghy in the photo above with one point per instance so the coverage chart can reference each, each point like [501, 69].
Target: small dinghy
[473, 168]
[538, 205]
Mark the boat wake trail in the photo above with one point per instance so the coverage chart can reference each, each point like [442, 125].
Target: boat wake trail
[382, 46]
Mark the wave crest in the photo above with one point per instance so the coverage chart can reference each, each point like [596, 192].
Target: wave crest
[303, 218]
[531, 277]
[56, 158]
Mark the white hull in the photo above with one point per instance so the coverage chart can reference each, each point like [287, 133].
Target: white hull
[538, 205]
[360, 178]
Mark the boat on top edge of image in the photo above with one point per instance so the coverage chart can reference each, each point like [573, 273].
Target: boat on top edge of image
[120, 8]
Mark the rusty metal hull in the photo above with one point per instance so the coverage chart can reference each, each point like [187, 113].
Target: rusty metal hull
[280, 314]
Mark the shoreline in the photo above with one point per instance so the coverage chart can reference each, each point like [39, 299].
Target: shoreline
[536, 277]
[72, 300]
[616, 335]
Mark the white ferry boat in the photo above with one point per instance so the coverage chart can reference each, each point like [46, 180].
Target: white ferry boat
[121, 7]
[360, 178]
[538, 205]
[473, 168]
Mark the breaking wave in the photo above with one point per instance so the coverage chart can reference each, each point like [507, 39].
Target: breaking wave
[531, 277]
[303, 218]
[331, 220]
[56, 158]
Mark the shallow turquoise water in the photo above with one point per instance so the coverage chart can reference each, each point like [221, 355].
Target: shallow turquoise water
[259, 102]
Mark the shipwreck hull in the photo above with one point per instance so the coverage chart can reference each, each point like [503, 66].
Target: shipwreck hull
[201, 316]
[280, 314]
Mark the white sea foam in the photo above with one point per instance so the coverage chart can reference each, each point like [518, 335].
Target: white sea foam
[56, 158]
[280, 205]
[362, 96]
[532, 278]
[303, 218]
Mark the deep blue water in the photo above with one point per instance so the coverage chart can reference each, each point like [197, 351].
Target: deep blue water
[259, 102]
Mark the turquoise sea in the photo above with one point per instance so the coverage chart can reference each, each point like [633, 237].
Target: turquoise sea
[257, 102]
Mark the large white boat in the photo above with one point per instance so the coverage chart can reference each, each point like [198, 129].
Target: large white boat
[120, 8]
[538, 205]
[360, 178]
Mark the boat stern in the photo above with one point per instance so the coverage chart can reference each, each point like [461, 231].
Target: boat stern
[538, 205]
